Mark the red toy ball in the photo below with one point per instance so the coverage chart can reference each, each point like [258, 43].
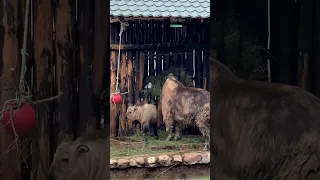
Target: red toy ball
[116, 98]
[24, 118]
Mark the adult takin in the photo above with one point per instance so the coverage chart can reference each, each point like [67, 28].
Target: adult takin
[262, 130]
[183, 106]
[84, 158]
[147, 115]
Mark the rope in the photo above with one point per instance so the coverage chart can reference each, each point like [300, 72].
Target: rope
[123, 27]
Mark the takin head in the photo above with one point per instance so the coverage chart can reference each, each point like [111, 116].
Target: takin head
[78, 158]
[132, 113]
[68, 161]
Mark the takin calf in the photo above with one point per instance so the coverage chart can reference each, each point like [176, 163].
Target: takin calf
[184, 106]
[84, 158]
[147, 115]
[261, 130]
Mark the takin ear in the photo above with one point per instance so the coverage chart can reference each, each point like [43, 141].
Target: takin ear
[135, 108]
[82, 149]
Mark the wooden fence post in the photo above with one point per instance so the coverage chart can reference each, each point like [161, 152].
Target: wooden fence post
[9, 80]
[100, 56]
[65, 107]
[43, 71]
[85, 42]
[113, 110]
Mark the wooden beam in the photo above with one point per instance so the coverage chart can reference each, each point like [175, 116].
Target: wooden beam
[114, 47]
[9, 78]
[43, 70]
[64, 44]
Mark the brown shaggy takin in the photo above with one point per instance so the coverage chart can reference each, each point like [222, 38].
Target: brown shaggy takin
[261, 130]
[183, 106]
[84, 158]
[147, 115]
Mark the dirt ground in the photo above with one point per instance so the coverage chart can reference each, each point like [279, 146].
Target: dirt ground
[180, 172]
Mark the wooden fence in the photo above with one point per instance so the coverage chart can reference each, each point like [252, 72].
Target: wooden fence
[61, 58]
[150, 47]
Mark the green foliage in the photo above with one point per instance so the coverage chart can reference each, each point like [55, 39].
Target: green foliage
[158, 81]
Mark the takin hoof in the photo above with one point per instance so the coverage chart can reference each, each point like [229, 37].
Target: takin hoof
[177, 138]
[169, 138]
[206, 147]
[156, 137]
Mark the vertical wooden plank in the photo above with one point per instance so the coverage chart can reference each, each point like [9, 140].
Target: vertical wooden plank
[198, 68]
[85, 41]
[113, 112]
[151, 64]
[137, 78]
[206, 69]
[130, 77]
[64, 43]
[43, 58]
[166, 62]
[159, 63]
[123, 88]
[9, 58]
[112, 33]
[25, 141]
[190, 61]
[141, 70]
[101, 38]
[315, 64]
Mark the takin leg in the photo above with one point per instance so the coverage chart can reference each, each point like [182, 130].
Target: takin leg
[177, 136]
[145, 129]
[155, 130]
[169, 125]
[204, 128]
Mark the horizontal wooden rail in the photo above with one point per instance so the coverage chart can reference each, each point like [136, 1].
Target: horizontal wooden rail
[159, 46]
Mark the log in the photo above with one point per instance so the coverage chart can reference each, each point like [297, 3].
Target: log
[43, 63]
[84, 74]
[64, 43]
[9, 58]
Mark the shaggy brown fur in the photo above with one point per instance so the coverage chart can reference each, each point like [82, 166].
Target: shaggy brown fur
[84, 158]
[261, 130]
[147, 115]
[182, 106]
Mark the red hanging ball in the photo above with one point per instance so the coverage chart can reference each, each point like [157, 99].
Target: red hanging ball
[24, 119]
[116, 98]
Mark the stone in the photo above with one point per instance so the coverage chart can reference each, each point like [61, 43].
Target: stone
[113, 163]
[177, 159]
[164, 160]
[140, 161]
[123, 163]
[205, 158]
[151, 162]
[133, 163]
[191, 158]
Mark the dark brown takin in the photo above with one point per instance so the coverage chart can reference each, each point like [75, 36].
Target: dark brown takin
[262, 130]
[84, 158]
[183, 106]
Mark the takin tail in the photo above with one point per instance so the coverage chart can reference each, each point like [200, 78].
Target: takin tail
[160, 117]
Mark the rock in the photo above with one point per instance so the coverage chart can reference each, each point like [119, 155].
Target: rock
[191, 158]
[123, 163]
[151, 162]
[164, 160]
[140, 161]
[177, 159]
[205, 158]
[113, 163]
[133, 163]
